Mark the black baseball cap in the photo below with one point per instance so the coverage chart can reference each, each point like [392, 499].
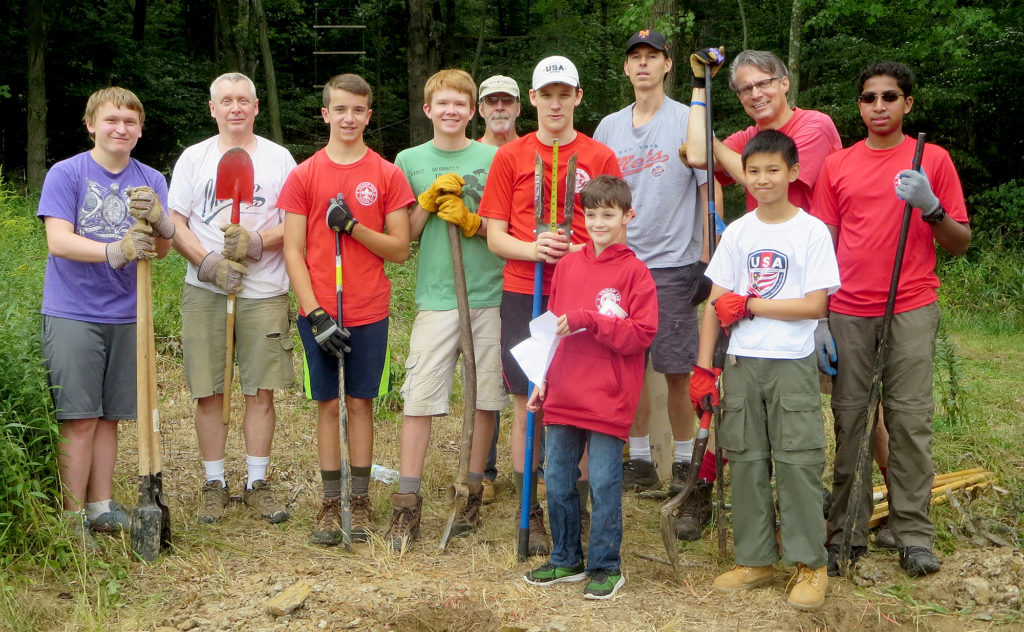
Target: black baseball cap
[653, 39]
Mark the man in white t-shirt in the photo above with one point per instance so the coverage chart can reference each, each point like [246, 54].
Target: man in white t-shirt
[246, 259]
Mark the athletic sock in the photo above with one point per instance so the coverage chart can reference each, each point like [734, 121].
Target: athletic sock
[214, 470]
[332, 484]
[476, 477]
[361, 480]
[257, 466]
[98, 508]
[707, 467]
[640, 448]
[583, 487]
[682, 451]
[409, 484]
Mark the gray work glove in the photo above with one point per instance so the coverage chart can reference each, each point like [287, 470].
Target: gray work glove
[913, 187]
[137, 243]
[240, 243]
[825, 348]
[225, 273]
[144, 205]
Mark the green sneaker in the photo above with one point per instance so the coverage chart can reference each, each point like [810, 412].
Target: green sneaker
[603, 584]
[550, 574]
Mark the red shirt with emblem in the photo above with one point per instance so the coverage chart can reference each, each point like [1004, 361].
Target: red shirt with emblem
[509, 196]
[373, 188]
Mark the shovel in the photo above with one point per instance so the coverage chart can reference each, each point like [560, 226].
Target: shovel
[151, 520]
[235, 182]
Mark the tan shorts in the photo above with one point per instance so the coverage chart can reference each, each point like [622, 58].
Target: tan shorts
[263, 346]
[435, 346]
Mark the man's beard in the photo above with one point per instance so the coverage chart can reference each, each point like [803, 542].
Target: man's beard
[500, 123]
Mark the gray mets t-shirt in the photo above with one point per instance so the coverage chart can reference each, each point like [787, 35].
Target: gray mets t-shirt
[666, 231]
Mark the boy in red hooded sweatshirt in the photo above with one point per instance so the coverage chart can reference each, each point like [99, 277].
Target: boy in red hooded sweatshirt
[607, 298]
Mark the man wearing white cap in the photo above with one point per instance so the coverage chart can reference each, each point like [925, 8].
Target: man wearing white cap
[499, 108]
[508, 202]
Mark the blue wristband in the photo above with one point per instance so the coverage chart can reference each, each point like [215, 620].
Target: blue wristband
[693, 103]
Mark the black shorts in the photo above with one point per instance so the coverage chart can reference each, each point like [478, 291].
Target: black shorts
[516, 314]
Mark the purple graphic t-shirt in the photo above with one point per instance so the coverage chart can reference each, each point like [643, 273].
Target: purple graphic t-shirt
[93, 199]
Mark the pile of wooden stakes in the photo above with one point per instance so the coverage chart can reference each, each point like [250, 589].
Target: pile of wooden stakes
[975, 478]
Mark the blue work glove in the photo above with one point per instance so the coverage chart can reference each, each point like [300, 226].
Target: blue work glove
[913, 187]
[825, 347]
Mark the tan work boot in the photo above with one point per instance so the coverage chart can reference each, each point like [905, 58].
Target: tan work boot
[362, 517]
[488, 493]
[468, 518]
[214, 502]
[695, 513]
[538, 543]
[328, 530]
[405, 520]
[744, 578]
[261, 500]
[809, 591]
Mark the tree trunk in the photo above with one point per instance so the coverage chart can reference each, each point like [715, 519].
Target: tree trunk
[139, 20]
[796, 39]
[227, 40]
[743, 21]
[660, 9]
[274, 104]
[476, 61]
[422, 61]
[36, 158]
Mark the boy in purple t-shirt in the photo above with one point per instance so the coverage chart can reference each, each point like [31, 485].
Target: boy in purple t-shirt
[89, 298]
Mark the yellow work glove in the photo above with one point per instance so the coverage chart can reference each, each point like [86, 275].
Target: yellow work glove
[448, 183]
[452, 209]
[682, 155]
[713, 56]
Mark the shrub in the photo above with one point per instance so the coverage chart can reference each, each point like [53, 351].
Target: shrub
[997, 215]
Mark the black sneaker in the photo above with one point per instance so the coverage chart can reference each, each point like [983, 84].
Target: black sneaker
[918, 561]
[549, 574]
[856, 552]
[638, 476]
[603, 584]
[680, 471]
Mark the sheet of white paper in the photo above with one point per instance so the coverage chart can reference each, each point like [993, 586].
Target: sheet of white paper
[535, 353]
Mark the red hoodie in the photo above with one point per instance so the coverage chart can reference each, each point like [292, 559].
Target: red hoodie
[595, 377]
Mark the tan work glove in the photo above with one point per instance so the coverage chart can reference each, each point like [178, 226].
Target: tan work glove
[144, 205]
[137, 243]
[448, 183]
[224, 273]
[713, 56]
[240, 243]
[453, 210]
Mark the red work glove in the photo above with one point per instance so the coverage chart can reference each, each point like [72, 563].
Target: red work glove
[704, 389]
[731, 307]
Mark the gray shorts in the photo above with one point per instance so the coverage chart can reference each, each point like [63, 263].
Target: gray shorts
[674, 349]
[91, 368]
[263, 346]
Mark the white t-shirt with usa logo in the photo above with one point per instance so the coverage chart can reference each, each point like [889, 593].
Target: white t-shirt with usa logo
[774, 261]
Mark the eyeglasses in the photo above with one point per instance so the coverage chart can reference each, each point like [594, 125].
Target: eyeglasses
[888, 96]
[492, 99]
[761, 85]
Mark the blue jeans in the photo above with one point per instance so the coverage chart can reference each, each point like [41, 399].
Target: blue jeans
[565, 445]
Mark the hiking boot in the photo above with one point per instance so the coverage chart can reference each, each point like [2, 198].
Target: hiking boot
[488, 493]
[261, 500]
[856, 552]
[362, 517]
[695, 513]
[885, 539]
[468, 518]
[78, 531]
[809, 591]
[214, 502]
[117, 519]
[744, 578]
[328, 530]
[918, 561]
[549, 574]
[405, 520]
[538, 543]
[680, 471]
[638, 476]
[603, 584]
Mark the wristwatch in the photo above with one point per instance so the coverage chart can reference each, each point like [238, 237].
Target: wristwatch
[935, 217]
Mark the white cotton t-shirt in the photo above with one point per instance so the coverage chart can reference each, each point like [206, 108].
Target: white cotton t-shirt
[785, 260]
[192, 194]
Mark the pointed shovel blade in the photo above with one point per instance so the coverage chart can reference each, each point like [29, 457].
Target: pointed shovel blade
[235, 179]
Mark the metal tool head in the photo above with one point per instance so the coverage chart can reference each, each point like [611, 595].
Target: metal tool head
[538, 193]
[570, 196]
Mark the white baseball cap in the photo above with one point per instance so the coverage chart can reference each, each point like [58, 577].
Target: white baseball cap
[498, 84]
[555, 69]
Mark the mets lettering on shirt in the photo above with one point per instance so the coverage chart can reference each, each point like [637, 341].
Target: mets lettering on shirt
[632, 164]
[767, 269]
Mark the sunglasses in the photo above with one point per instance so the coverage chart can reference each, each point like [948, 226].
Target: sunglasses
[888, 96]
[492, 99]
[761, 85]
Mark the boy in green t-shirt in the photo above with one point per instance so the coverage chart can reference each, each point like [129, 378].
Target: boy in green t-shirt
[449, 162]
